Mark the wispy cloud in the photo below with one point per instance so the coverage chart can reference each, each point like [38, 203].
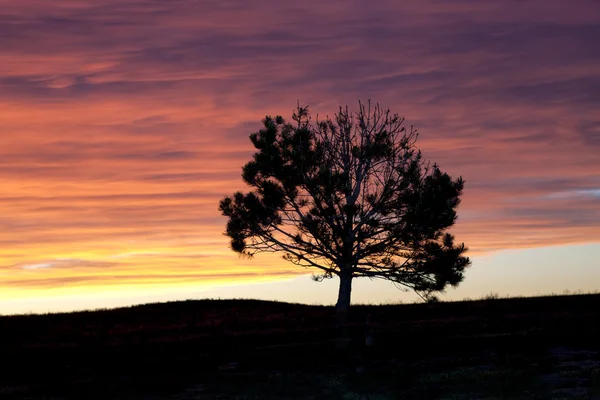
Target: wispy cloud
[82, 263]
[124, 122]
[63, 263]
[36, 266]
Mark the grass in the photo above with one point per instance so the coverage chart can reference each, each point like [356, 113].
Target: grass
[226, 349]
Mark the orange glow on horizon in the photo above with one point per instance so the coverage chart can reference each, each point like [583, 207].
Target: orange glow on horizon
[122, 125]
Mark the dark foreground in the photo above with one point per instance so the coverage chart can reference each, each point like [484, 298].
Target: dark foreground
[536, 348]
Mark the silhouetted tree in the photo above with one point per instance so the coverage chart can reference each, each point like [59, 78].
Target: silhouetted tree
[351, 197]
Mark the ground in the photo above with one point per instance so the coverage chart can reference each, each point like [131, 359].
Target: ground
[538, 348]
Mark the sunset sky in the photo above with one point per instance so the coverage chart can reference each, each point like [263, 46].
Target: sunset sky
[123, 122]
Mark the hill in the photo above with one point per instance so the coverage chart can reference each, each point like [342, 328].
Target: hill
[215, 346]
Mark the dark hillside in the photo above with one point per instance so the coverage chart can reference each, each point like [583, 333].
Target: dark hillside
[166, 346]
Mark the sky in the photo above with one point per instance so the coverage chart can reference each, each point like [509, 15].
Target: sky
[124, 122]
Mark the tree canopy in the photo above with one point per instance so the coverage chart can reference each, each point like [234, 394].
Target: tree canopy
[349, 197]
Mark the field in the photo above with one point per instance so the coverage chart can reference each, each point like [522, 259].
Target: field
[521, 348]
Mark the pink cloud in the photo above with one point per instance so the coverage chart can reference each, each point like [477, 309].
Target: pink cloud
[124, 122]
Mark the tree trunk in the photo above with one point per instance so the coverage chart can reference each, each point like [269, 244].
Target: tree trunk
[344, 294]
[342, 309]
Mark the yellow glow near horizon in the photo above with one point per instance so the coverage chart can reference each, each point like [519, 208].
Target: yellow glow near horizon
[114, 153]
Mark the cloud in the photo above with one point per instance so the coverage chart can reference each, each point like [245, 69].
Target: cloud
[37, 266]
[590, 132]
[62, 263]
[124, 122]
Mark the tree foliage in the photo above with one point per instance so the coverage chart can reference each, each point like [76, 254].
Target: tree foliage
[352, 197]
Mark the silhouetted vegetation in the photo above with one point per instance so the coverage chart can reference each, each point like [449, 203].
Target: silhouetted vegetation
[352, 197]
[255, 349]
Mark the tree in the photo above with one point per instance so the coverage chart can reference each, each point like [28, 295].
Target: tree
[351, 197]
